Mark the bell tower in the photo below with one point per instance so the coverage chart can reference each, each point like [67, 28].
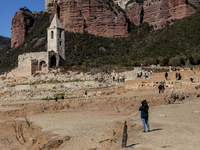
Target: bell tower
[56, 43]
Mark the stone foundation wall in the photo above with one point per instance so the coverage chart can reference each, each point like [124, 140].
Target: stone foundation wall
[25, 59]
[28, 64]
[20, 72]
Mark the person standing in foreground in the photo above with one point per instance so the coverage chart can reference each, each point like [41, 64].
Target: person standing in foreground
[144, 115]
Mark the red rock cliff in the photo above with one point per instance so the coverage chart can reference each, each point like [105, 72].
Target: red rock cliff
[92, 16]
[158, 12]
[22, 23]
[99, 17]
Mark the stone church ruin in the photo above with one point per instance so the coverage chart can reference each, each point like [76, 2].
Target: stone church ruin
[40, 62]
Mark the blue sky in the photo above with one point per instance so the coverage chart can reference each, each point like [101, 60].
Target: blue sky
[8, 8]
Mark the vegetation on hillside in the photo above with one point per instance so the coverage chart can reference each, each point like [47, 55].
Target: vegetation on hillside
[175, 44]
[4, 41]
[9, 58]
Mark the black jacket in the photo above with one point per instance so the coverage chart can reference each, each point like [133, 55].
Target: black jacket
[143, 114]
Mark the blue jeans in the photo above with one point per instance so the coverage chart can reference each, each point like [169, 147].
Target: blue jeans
[145, 121]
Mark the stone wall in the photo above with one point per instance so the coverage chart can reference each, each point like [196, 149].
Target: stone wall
[25, 59]
[29, 63]
[19, 72]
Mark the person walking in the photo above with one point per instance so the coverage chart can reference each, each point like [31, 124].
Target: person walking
[179, 76]
[144, 115]
[138, 74]
[162, 87]
[166, 75]
[86, 94]
[62, 97]
[56, 99]
[145, 76]
[159, 87]
[191, 78]
[176, 76]
[123, 79]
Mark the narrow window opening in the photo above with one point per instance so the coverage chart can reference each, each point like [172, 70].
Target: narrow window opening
[51, 34]
[60, 34]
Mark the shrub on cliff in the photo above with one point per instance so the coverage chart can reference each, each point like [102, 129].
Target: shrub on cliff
[4, 41]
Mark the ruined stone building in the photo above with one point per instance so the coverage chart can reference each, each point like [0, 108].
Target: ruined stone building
[41, 62]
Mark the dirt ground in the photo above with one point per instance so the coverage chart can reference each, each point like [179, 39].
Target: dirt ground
[172, 127]
[96, 123]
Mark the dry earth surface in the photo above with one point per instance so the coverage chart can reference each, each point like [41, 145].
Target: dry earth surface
[96, 123]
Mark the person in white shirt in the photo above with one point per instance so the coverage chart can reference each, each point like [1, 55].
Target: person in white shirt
[191, 78]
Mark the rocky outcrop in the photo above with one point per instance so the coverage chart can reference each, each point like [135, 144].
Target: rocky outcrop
[49, 5]
[39, 42]
[22, 23]
[56, 10]
[96, 17]
[158, 12]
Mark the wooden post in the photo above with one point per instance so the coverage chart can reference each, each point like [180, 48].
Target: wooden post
[124, 136]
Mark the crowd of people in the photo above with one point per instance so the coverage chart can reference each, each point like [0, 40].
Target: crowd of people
[119, 79]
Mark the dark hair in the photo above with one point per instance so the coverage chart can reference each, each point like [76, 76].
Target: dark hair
[145, 105]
